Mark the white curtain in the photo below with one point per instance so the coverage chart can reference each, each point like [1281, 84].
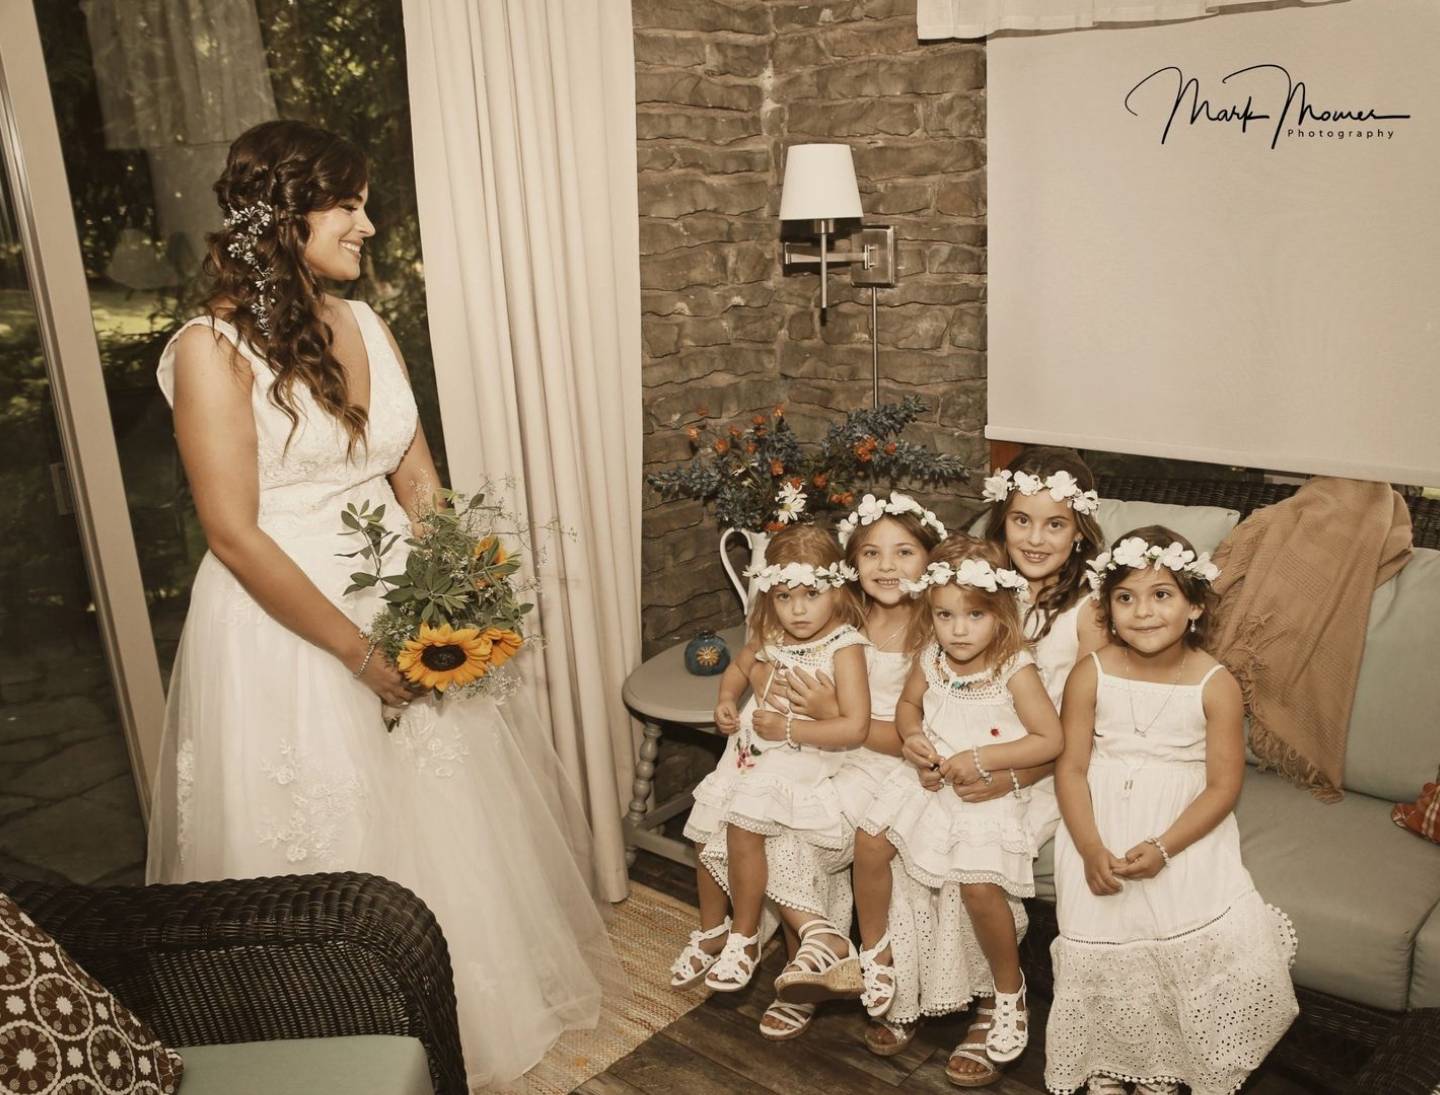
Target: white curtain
[979, 18]
[523, 114]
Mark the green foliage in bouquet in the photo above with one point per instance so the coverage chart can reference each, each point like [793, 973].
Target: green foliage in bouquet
[455, 613]
[741, 472]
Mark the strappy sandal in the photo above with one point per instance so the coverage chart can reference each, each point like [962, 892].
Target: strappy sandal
[1010, 1028]
[901, 1033]
[1104, 1085]
[972, 1050]
[877, 978]
[794, 1017]
[694, 962]
[733, 967]
[817, 972]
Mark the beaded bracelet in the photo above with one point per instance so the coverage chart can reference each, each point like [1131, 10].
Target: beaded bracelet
[791, 742]
[975, 756]
[1015, 782]
[369, 653]
[1155, 840]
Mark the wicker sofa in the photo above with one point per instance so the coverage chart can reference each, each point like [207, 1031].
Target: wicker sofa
[1364, 896]
[315, 983]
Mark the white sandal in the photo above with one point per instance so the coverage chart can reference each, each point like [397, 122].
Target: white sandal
[974, 1051]
[817, 972]
[878, 979]
[795, 1017]
[902, 1033]
[733, 967]
[1010, 1029]
[694, 962]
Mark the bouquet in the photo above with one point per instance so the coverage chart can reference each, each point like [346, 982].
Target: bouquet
[455, 615]
[759, 477]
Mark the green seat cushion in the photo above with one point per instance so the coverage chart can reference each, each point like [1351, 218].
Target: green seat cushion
[1357, 887]
[1394, 744]
[370, 1064]
[1425, 981]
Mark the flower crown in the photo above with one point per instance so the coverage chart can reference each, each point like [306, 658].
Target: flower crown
[871, 509]
[1134, 552]
[801, 574]
[1061, 485]
[975, 573]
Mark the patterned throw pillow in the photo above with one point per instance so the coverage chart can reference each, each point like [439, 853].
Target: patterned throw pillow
[61, 1032]
[1423, 815]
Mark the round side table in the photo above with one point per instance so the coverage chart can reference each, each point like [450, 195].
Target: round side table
[662, 692]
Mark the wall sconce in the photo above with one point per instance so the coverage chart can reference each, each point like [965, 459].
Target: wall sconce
[820, 187]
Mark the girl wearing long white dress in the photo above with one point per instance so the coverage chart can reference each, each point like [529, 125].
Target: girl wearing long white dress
[1169, 967]
[974, 706]
[290, 403]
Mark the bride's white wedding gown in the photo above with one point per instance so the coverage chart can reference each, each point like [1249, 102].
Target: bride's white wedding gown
[275, 760]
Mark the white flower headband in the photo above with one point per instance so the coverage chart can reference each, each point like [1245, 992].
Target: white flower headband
[1061, 485]
[1134, 552]
[801, 574]
[975, 573]
[871, 509]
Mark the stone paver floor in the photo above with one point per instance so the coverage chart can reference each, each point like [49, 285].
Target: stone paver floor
[68, 804]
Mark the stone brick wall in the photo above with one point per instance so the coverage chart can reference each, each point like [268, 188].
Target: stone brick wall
[722, 87]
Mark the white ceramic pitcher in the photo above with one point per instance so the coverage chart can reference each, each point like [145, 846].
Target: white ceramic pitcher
[756, 542]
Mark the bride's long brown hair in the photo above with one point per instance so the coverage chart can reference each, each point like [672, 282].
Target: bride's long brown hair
[294, 168]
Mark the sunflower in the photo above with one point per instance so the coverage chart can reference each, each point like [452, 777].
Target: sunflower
[503, 645]
[501, 556]
[444, 656]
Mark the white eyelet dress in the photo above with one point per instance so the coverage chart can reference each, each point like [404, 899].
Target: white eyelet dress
[1184, 977]
[943, 842]
[786, 794]
[863, 771]
[1055, 656]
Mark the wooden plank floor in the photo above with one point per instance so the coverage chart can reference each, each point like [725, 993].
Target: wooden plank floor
[716, 1047]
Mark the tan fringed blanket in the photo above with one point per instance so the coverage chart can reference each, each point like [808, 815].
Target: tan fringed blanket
[1295, 586]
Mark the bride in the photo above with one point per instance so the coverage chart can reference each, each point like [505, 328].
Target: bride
[289, 403]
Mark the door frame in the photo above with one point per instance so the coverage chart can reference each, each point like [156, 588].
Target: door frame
[30, 138]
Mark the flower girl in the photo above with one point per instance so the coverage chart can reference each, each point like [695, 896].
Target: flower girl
[768, 818]
[973, 707]
[1169, 966]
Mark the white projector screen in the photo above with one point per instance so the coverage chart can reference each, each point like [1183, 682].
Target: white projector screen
[1261, 290]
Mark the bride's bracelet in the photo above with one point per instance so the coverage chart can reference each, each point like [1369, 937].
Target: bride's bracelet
[369, 653]
[1155, 840]
[980, 768]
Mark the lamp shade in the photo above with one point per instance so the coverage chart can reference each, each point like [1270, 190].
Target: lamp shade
[819, 183]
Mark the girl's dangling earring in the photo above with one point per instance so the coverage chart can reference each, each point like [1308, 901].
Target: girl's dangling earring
[1077, 546]
[1192, 627]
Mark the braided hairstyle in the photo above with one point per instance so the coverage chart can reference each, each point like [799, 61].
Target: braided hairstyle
[278, 172]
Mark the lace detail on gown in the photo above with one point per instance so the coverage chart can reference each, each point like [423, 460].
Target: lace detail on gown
[322, 804]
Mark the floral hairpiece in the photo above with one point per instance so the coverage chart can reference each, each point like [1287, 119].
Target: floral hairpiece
[1061, 485]
[975, 573]
[249, 223]
[1135, 552]
[871, 509]
[801, 574]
